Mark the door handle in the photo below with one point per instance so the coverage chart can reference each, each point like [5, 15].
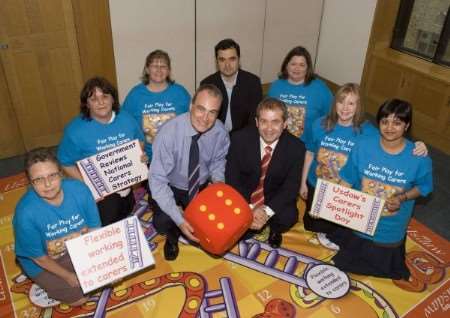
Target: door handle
[3, 46]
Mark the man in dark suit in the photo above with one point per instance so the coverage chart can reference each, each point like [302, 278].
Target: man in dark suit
[241, 90]
[264, 164]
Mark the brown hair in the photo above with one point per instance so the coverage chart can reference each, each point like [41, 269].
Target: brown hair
[332, 118]
[89, 89]
[152, 56]
[270, 103]
[41, 154]
[298, 51]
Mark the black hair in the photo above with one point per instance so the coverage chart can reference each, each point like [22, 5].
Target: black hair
[227, 44]
[298, 51]
[400, 108]
[89, 89]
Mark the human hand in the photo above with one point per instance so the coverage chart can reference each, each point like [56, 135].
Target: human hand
[144, 158]
[304, 191]
[420, 149]
[72, 280]
[393, 203]
[188, 231]
[259, 218]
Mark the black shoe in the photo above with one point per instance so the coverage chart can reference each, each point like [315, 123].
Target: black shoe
[171, 250]
[275, 239]
[248, 235]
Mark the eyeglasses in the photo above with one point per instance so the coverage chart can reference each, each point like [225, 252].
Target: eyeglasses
[49, 178]
[159, 67]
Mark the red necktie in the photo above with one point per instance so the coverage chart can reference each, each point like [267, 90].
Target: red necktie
[257, 197]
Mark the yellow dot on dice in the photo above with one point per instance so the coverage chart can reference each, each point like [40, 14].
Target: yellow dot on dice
[203, 208]
[219, 194]
[237, 210]
[220, 226]
[228, 202]
[211, 217]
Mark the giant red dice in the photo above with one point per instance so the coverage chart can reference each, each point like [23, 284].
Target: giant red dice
[219, 216]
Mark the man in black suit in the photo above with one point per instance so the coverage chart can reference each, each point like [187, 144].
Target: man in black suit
[255, 170]
[241, 90]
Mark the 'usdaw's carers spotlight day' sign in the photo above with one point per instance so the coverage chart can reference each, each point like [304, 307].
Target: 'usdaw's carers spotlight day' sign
[110, 253]
[114, 169]
[347, 207]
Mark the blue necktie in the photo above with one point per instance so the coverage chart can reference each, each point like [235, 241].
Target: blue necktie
[194, 167]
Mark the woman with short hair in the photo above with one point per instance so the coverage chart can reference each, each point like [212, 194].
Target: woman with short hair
[52, 211]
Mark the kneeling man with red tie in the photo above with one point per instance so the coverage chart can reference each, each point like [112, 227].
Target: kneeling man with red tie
[264, 163]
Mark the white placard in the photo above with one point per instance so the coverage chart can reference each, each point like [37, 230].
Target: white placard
[110, 253]
[348, 207]
[328, 281]
[114, 169]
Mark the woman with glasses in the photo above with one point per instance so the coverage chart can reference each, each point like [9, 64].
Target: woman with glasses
[157, 99]
[52, 211]
[99, 127]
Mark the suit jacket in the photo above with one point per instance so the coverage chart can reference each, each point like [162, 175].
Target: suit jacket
[282, 181]
[246, 95]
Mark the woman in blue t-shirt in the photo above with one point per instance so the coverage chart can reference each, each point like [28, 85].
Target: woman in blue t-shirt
[333, 138]
[52, 211]
[157, 99]
[306, 97]
[99, 127]
[383, 165]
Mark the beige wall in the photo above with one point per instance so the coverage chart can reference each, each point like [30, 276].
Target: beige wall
[214, 24]
[288, 24]
[265, 30]
[141, 26]
[344, 36]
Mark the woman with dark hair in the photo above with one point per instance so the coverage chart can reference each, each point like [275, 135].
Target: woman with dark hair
[306, 96]
[99, 127]
[333, 138]
[157, 99]
[52, 211]
[384, 166]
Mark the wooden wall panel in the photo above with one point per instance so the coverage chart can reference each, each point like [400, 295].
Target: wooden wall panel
[94, 38]
[10, 136]
[42, 67]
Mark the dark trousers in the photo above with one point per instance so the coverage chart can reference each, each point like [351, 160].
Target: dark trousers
[316, 225]
[163, 223]
[114, 208]
[282, 221]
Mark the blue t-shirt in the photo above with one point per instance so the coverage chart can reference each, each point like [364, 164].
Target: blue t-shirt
[151, 109]
[41, 228]
[331, 149]
[305, 104]
[83, 138]
[371, 170]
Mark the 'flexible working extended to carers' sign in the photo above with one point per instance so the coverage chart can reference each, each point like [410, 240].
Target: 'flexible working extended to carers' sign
[347, 207]
[110, 253]
[114, 169]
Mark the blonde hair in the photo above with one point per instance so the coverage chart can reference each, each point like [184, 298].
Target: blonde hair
[332, 118]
